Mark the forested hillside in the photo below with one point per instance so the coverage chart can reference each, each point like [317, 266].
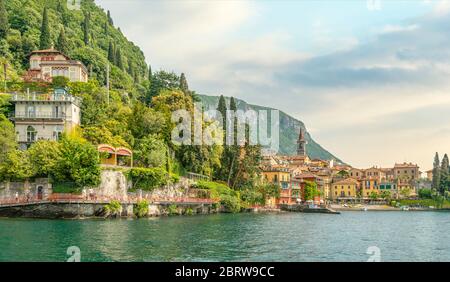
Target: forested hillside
[88, 35]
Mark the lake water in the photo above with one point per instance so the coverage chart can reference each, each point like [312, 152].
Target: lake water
[399, 236]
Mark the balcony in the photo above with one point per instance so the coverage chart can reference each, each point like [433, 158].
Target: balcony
[51, 97]
[38, 115]
[28, 139]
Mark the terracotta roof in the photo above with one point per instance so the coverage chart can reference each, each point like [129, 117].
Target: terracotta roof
[346, 181]
[51, 50]
[406, 165]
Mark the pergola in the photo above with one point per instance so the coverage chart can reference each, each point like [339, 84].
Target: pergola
[115, 155]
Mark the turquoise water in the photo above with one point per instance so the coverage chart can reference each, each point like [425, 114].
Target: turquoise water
[400, 236]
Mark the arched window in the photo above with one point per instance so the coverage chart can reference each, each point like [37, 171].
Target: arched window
[31, 134]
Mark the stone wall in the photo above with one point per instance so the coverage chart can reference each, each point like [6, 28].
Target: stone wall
[113, 184]
[90, 210]
[39, 187]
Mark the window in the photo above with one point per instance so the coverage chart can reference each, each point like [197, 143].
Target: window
[34, 64]
[31, 111]
[31, 134]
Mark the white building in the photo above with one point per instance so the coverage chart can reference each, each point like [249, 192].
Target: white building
[44, 116]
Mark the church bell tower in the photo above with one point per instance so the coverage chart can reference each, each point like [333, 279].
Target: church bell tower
[301, 149]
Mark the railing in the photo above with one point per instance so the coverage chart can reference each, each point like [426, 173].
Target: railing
[94, 199]
[24, 138]
[43, 115]
[197, 177]
[22, 97]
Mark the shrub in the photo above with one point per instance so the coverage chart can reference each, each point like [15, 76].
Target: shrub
[141, 209]
[189, 211]
[252, 197]
[174, 178]
[231, 204]
[114, 208]
[173, 210]
[217, 189]
[425, 194]
[147, 179]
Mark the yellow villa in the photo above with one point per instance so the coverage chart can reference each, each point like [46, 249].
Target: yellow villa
[344, 189]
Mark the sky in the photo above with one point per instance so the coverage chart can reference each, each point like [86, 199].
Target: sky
[370, 79]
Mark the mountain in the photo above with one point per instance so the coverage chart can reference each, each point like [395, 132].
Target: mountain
[289, 129]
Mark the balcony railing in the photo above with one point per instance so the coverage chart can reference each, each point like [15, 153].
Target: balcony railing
[34, 97]
[30, 139]
[38, 115]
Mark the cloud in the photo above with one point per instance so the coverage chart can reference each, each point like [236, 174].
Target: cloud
[368, 102]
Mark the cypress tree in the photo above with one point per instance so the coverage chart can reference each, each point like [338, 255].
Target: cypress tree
[233, 150]
[45, 39]
[86, 28]
[110, 20]
[111, 52]
[436, 173]
[62, 44]
[4, 24]
[222, 109]
[150, 74]
[183, 84]
[444, 177]
[119, 59]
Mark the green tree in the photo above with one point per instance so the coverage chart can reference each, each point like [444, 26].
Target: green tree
[386, 195]
[60, 81]
[150, 74]
[436, 173]
[45, 38]
[222, 109]
[7, 137]
[110, 20]
[111, 53]
[163, 80]
[145, 121]
[119, 59]
[16, 166]
[444, 175]
[79, 162]
[184, 85]
[86, 28]
[310, 191]
[4, 24]
[44, 155]
[425, 194]
[373, 195]
[62, 44]
[150, 152]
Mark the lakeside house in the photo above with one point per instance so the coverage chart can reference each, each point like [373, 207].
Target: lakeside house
[49, 63]
[44, 116]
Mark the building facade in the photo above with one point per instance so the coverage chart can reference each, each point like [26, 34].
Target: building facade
[46, 64]
[44, 116]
